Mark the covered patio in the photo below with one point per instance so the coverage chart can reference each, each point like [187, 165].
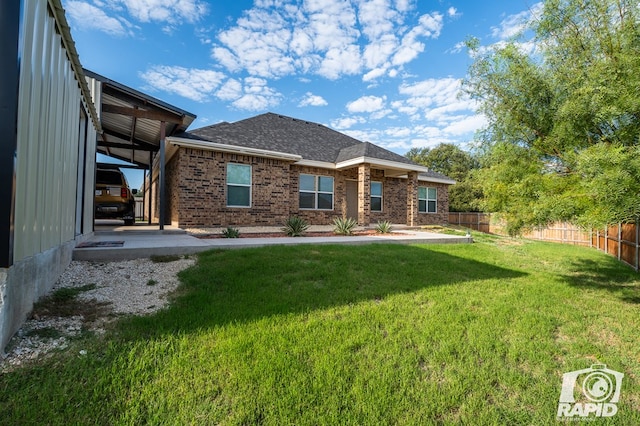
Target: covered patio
[135, 126]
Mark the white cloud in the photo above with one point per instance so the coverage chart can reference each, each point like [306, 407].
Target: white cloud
[452, 12]
[171, 11]
[114, 16]
[347, 122]
[514, 24]
[367, 104]
[256, 95]
[312, 100]
[89, 17]
[330, 38]
[195, 84]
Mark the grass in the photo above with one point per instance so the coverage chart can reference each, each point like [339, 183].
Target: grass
[376, 334]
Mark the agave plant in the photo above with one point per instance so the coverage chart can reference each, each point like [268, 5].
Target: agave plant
[231, 233]
[383, 227]
[344, 225]
[295, 226]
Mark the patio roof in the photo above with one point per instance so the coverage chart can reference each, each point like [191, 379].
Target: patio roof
[131, 121]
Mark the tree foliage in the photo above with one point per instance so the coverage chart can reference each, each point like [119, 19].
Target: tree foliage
[564, 121]
[457, 164]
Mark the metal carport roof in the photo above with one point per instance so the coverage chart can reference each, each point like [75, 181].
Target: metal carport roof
[131, 121]
[134, 127]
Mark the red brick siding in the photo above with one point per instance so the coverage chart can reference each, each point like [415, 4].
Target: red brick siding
[196, 192]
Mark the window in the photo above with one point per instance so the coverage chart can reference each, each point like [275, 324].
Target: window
[238, 185]
[376, 196]
[427, 199]
[316, 192]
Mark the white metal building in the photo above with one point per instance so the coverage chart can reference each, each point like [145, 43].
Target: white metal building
[48, 124]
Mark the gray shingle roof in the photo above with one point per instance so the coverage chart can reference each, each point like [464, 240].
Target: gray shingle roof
[279, 133]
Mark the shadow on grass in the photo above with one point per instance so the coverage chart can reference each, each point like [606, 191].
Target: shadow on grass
[245, 285]
[607, 275]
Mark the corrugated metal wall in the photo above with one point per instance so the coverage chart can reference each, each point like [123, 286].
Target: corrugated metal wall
[48, 136]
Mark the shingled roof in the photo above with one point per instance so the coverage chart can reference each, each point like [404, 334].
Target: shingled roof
[312, 141]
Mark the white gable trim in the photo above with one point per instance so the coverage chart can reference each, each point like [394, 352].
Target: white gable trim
[233, 149]
[382, 163]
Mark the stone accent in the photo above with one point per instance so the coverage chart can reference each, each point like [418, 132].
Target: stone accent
[412, 198]
[364, 194]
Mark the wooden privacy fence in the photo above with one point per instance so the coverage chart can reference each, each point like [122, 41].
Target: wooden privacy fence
[621, 240]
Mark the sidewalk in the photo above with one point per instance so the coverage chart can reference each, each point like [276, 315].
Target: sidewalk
[124, 245]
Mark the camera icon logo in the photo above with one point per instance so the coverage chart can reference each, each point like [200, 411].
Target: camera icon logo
[591, 391]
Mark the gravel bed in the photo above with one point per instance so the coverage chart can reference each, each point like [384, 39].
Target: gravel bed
[106, 291]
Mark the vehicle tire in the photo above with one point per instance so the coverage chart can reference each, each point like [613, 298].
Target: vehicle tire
[129, 222]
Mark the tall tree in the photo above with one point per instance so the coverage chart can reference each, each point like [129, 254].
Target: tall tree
[457, 164]
[564, 121]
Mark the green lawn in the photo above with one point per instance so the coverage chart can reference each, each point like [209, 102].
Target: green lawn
[367, 335]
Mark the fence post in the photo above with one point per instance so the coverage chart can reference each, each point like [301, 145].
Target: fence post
[619, 240]
[637, 235]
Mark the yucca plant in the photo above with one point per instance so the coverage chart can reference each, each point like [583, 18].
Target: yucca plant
[231, 233]
[295, 226]
[344, 225]
[383, 227]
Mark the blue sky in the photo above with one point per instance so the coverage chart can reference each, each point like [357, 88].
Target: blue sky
[384, 71]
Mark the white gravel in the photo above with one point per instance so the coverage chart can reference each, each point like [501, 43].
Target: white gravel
[137, 287]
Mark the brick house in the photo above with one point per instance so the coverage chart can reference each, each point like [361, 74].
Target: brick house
[264, 169]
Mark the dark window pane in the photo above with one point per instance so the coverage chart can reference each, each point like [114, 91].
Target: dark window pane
[432, 206]
[108, 177]
[432, 194]
[325, 201]
[376, 204]
[422, 205]
[307, 200]
[238, 196]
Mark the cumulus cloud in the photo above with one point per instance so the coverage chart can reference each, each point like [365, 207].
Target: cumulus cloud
[330, 38]
[114, 17]
[87, 16]
[367, 104]
[312, 100]
[195, 84]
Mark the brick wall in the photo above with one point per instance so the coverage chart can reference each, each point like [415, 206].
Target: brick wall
[442, 215]
[196, 192]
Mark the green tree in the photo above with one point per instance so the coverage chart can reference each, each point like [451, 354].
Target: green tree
[457, 164]
[564, 121]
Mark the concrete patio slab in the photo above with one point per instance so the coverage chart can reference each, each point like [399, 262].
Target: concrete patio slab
[141, 244]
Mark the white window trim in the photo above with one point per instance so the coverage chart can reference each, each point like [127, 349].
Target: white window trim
[381, 196]
[427, 200]
[317, 191]
[250, 185]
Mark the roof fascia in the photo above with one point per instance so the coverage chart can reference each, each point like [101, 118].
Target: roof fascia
[315, 163]
[383, 163]
[234, 149]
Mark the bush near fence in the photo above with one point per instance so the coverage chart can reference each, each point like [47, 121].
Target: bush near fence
[620, 240]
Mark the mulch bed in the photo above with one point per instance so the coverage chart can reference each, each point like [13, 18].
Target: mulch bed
[306, 234]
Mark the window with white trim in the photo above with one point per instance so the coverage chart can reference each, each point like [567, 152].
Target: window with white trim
[316, 192]
[238, 185]
[427, 199]
[376, 196]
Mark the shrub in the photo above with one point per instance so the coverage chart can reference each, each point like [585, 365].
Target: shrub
[383, 227]
[344, 225]
[295, 226]
[231, 233]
